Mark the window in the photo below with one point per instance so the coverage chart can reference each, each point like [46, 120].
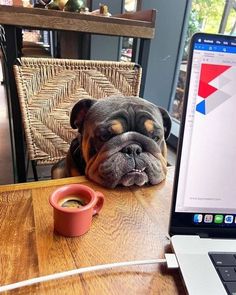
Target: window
[127, 43]
[211, 16]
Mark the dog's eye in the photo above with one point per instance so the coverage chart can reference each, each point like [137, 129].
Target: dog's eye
[105, 136]
[157, 134]
[155, 138]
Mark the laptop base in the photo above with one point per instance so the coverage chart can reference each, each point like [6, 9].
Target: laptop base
[197, 269]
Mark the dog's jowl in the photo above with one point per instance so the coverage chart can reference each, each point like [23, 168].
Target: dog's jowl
[121, 141]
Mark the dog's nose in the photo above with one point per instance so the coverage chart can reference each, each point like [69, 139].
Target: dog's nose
[132, 149]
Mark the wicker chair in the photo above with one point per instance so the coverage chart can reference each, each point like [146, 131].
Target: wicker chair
[48, 89]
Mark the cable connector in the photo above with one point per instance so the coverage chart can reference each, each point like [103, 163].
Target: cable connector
[171, 260]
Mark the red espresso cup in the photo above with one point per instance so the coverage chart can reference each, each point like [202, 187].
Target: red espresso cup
[74, 205]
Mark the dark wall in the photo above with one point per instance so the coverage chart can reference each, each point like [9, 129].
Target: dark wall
[166, 47]
[106, 47]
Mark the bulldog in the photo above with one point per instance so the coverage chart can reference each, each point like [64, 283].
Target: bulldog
[121, 141]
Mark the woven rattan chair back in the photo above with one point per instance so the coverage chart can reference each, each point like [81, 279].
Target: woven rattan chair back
[48, 89]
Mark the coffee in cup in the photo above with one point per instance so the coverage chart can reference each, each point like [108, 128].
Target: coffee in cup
[74, 205]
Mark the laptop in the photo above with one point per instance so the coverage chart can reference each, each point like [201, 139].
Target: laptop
[203, 215]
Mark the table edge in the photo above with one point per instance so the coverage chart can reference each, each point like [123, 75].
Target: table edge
[52, 182]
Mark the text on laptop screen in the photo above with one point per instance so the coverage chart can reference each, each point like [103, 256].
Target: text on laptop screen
[207, 182]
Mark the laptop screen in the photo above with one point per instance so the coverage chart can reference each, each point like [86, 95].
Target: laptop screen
[205, 179]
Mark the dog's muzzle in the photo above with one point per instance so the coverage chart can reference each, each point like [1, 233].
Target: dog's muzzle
[127, 159]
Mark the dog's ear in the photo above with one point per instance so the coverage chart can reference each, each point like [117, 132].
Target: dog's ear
[167, 122]
[79, 112]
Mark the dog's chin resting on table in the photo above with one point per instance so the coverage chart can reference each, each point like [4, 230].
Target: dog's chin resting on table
[121, 141]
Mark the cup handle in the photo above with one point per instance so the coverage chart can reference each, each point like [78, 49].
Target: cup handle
[99, 203]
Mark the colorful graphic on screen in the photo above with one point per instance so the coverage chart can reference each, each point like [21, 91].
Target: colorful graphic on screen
[217, 84]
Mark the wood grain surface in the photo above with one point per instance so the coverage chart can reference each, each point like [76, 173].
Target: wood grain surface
[70, 21]
[133, 225]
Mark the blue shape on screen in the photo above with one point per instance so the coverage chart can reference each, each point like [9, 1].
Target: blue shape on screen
[201, 107]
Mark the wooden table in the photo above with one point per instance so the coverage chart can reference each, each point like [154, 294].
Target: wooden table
[132, 225]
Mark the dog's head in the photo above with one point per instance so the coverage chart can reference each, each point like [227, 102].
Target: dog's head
[122, 140]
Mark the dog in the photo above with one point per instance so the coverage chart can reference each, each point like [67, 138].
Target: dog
[121, 141]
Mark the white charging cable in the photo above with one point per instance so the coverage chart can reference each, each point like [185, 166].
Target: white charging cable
[84, 270]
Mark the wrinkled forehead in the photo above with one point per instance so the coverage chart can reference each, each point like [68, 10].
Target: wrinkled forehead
[130, 111]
